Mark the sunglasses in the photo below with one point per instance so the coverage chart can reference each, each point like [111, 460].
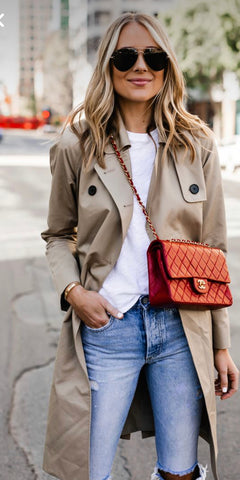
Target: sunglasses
[124, 58]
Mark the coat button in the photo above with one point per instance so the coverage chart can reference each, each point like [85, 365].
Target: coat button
[92, 190]
[194, 188]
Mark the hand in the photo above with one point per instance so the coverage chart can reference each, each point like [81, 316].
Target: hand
[226, 384]
[91, 307]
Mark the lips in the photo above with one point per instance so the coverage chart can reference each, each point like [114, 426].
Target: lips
[140, 82]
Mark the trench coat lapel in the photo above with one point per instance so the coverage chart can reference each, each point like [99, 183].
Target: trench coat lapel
[115, 181]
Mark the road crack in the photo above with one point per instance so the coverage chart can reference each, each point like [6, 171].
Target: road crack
[13, 428]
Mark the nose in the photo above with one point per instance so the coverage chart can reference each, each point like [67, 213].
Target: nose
[140, 63]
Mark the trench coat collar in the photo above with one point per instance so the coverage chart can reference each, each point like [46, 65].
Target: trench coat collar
[123, 139]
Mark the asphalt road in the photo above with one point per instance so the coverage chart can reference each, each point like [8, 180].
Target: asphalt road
[31, 320]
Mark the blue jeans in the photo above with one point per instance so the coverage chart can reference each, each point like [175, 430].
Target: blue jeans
[153, 339]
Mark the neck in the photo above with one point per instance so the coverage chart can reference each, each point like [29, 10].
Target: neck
[136, 116]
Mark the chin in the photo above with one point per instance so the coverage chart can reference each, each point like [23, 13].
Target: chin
[138, 97]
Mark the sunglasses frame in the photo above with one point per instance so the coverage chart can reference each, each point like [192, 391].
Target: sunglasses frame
[146, 53]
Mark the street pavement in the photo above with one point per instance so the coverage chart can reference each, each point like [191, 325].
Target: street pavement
[31, 321]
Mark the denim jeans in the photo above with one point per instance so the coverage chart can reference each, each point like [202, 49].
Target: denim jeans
[153, 339]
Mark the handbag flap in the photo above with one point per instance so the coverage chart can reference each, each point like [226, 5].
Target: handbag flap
[193, 260]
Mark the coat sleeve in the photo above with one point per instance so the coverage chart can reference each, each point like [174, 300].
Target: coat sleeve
[61, 234]
[214, 232]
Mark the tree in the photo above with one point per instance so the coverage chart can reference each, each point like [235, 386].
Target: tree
[206, 37]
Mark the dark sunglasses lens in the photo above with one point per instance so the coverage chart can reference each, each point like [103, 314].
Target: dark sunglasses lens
[156, 60]
[123, 60]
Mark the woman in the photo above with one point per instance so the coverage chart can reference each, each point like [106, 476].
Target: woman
[120, 362]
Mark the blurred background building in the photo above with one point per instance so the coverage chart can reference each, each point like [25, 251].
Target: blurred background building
[48, 50]
[44, 56]
[35, 18]
[9, 58]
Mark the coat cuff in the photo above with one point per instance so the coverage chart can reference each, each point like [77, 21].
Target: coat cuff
[64, 268]
[221, 328]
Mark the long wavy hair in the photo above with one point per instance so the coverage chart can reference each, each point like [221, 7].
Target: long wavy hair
[100, 106]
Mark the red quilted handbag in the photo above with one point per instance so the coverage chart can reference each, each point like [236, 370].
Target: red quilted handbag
[183, 273]
[187, 274]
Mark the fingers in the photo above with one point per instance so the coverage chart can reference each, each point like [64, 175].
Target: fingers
[224, 381]
[218, 390]
[101, 316]
[92, 304]
[233, 385]
[92, 308]
[113, 311]
[234, 381]
[220, 385]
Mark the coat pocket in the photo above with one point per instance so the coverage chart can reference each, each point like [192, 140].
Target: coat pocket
[101, 329]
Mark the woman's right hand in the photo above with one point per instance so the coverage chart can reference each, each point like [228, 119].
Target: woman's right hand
[91, 307]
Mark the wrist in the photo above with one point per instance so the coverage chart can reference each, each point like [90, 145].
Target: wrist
[70, 288]
[220, 351]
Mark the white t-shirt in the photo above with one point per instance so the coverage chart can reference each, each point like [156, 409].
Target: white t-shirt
[129, 277]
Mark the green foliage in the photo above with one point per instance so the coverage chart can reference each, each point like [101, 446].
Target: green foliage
[206, 38]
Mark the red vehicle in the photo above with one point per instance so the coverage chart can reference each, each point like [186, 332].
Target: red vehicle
[27, 123]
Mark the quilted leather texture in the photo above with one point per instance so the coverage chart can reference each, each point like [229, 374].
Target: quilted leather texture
[194, 260]
[187, 274]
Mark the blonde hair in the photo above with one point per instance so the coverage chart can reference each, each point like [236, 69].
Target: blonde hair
[100, 105]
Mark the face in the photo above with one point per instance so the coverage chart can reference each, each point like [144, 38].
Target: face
[140, 83]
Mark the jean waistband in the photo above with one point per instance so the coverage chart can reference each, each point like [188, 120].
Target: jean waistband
[144, 300]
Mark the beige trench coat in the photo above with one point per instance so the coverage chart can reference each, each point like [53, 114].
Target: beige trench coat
[84, 238]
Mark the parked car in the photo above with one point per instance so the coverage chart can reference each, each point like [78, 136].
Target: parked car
[27, 123]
